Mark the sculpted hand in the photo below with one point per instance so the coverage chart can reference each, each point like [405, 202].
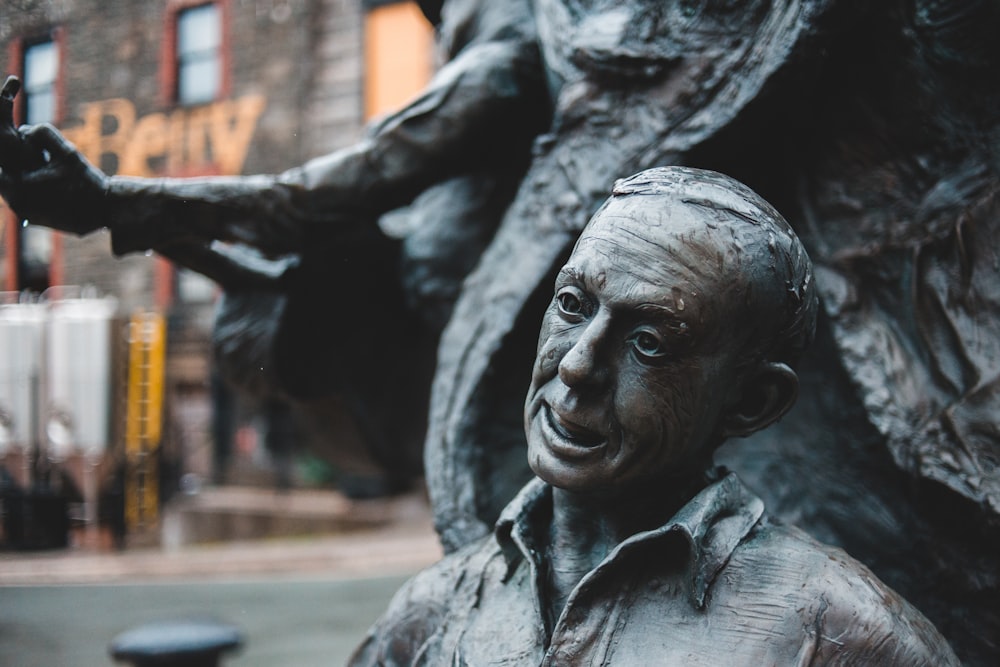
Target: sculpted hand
[44, 178]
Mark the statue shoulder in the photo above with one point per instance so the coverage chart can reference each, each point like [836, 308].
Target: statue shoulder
[412, 630]
[848, 615]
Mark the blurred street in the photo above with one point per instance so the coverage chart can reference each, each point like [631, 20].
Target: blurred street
[300, 601]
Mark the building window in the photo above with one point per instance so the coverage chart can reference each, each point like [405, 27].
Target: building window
[41, 69]
[199, 54]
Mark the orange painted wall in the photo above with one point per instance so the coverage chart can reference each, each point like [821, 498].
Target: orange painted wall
[399, 56]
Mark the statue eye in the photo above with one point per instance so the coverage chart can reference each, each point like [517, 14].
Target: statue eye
[571, 302]
[648, 345]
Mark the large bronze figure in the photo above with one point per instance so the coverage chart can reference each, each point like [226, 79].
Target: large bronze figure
[872, 125]
[676, 323]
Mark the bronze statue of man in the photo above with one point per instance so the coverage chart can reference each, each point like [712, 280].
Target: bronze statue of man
[872, 125]
[676, 323]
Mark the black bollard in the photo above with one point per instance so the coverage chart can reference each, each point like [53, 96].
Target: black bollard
[183, 643]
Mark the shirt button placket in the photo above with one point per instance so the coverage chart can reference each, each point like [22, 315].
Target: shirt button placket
[564, 646]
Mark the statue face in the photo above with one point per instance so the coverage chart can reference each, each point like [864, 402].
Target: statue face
[637, 352]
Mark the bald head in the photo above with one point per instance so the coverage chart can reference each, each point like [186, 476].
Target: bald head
[718, 226]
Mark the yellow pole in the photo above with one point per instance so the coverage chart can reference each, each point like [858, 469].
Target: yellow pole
[144, 417]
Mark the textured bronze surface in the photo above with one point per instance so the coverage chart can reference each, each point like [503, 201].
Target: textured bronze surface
[871, 126]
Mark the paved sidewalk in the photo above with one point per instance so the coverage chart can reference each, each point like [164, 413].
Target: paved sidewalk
[386, 538]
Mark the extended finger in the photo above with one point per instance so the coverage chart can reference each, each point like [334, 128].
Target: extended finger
[11, 149]
[7, 94]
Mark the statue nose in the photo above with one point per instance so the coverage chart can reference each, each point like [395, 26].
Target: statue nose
[584, 363]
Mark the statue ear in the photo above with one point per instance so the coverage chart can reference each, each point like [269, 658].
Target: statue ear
[765, 396]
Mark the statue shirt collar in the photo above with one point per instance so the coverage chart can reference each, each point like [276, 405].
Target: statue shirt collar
[712, 524]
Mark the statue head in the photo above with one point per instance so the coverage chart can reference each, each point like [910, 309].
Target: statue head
[676, 323]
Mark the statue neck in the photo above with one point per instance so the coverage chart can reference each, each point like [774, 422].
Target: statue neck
[585, 528]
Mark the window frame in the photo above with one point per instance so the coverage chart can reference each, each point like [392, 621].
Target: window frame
[16, 57]
[169, 59]
[30, 89]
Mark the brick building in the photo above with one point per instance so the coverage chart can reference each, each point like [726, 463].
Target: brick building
[190, 88]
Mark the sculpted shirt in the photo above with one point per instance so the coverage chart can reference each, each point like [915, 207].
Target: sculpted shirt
[716, 585]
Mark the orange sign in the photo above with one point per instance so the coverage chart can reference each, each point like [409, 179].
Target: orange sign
[211, 139]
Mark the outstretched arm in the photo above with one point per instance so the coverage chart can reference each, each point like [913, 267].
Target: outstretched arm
[488, 101]
[33, 160]
[480, 107]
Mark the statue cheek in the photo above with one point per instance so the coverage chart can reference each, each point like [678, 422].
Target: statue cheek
[547, 335]
[546, 363]
[553, 345]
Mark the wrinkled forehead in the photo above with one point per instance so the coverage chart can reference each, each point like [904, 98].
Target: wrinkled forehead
[659, 234]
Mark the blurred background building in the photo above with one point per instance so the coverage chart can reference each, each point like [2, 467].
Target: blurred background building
[108, 400]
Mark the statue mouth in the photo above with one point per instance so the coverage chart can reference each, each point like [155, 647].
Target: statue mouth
[567, 436]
